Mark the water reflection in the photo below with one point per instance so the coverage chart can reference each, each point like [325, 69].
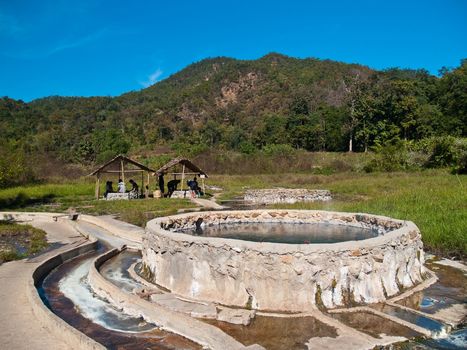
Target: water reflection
[292, 233]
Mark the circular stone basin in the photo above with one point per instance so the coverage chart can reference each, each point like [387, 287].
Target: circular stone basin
[288, 276]
[276, 232]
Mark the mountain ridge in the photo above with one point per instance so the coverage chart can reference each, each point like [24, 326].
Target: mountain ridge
[242, 105]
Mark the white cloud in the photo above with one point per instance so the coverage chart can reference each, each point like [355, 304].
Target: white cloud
[78, 42]
[34, 53]
[153, 78]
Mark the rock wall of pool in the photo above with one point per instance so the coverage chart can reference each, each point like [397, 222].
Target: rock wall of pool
[189, 255]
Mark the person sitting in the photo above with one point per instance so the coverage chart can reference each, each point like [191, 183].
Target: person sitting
[108, 188]
[121, 186]
[134, 189]
[172, 187]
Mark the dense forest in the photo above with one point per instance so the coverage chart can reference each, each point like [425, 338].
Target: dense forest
[244, 106]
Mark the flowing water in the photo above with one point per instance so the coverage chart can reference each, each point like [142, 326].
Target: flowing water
[291, 233]
[66, 292]
[435, 327]
[450, 290]
[116, 270]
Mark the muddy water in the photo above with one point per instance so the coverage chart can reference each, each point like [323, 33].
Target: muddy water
[285, 232]
[94, 316]
[374, 325]
[278, 333]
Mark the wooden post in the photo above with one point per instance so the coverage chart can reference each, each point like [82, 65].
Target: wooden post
[204, 188]
[142, 182]
[183, 178]
[146, 190]
[98, 182]
[122, 170]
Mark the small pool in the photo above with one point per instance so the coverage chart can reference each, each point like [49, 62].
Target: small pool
[291, 233]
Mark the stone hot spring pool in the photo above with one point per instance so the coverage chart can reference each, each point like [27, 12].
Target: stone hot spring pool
[290, 233]
[260, 258]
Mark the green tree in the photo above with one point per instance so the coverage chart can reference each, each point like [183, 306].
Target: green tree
[452, 97]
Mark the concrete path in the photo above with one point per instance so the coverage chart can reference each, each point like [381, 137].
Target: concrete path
[206, 203]
[19, 328]
[101, 234]
[125, 231]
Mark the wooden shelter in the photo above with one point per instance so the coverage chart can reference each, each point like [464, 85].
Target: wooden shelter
[121, 166]
[182, 167]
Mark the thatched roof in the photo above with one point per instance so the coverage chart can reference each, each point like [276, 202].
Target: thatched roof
[183, 161]
[114, 165]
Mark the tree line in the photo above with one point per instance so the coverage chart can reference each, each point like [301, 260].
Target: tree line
[246, 106]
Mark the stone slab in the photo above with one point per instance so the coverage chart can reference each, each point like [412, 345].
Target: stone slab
[236, 316]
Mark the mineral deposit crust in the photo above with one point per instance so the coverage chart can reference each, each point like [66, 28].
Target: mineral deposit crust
[284, 277]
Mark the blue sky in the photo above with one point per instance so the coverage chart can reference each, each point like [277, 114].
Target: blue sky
[104, 47]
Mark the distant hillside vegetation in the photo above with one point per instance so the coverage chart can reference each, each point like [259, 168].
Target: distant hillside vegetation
[245, 105]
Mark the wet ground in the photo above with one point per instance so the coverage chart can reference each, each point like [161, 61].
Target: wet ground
[456, 340]
[278, 333]
[435, 327]
[285, 232]
[374, 325]
[450, 289]
[68, 295]
[125, 332]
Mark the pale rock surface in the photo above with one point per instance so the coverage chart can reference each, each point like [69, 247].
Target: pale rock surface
[286, 195]
[235, 316]
[287, 277]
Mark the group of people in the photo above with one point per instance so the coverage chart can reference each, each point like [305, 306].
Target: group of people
[121, 188]
[172, 185]
[195, 190]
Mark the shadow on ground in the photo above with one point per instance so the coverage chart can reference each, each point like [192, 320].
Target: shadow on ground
[22, 200]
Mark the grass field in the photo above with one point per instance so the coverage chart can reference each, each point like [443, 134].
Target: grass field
[19, 241]
[435, 200]
[80, 196]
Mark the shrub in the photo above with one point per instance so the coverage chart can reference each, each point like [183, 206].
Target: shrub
[442, 152]
[460, 157]
[447, 151]
[389, 158]
[278, 150]
[247, 147]
[14, 168]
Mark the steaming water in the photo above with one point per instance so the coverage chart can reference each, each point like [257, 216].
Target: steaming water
[75, 287]
[291, 233]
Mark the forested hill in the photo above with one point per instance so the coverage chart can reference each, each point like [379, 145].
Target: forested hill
[246, 105]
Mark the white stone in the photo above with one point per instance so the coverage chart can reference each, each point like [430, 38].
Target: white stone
[236, 316]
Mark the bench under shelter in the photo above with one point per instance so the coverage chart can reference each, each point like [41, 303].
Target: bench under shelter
[183, 169]
[122, 167]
